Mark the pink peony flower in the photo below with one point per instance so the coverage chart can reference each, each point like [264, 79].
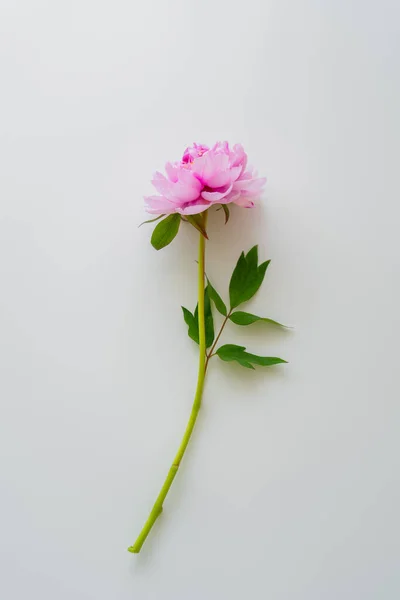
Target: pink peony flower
[205, 176]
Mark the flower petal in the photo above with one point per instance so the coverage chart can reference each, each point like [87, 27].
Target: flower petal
[246, 175]
[194, 207]
[216, 196]
[252, 186]
[231, 197]
[161, 183]
[158, 205]
[208, 165]
[222, 178]
[172, 171]
[186, 177]
[244, 202]
[238, 157]
[177, 192]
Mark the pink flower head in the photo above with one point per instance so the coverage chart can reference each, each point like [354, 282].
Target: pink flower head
[205, 176]
[193, 152]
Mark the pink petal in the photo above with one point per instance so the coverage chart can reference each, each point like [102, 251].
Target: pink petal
[224, 177]
[239, 157]
[246, 175]
[249, 185]
[244, 202]
[158, 205]
[172, 171]
[217, 162]
[188, 178]
[219, 179]
[193, 152]
[217, 195]
[194, 208]
[199, 166]
[176, 192]
[206, 166]
[184, 193]
[161, 183]
[222, 147]
[231, 197]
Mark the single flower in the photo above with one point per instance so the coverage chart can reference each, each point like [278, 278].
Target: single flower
[204, 177]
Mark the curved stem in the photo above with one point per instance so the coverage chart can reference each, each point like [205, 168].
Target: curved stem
[158, 505]
[211, 353]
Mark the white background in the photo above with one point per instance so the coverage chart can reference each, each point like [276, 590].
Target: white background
[289, 489]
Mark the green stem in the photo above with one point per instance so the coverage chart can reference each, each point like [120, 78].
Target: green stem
[211, 352]
[158, 505]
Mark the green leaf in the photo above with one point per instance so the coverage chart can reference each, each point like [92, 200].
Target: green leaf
[192, 321]
[246, 278]
[198, 222]
[165, 231]
[244, 318]
[238, 281]
[246, 364]
[232, 352]
[193, 326]
[216, 298]
[252, 257]
[151, 220]
[262, 270]
[226, 211]
[264, 361]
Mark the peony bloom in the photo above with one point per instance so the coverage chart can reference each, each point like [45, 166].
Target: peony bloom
[205, 176]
